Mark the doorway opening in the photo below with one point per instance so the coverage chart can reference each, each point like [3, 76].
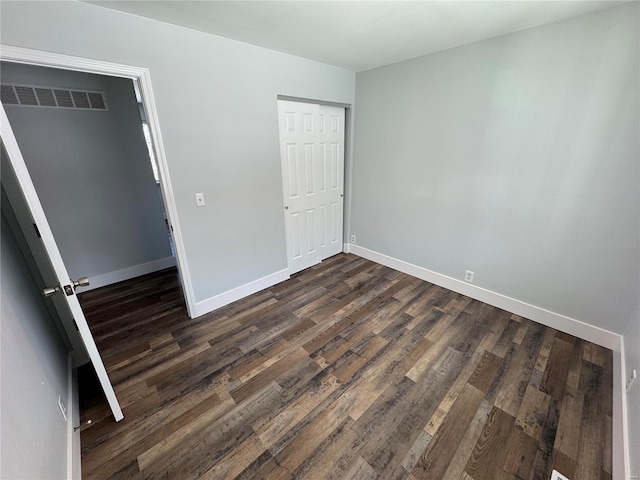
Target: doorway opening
[87, 161]
[81, 188]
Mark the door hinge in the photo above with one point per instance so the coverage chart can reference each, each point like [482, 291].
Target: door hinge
[35, 227]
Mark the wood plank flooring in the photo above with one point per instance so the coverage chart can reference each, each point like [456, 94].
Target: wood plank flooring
[350, 370]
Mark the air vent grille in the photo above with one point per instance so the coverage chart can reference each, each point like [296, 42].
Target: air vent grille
[8, 95]
[26, 95]
[80, 99]
[64, 98]
[97, 101]
[32, 96]
[45, 97]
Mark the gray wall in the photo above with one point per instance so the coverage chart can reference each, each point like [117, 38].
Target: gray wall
[217, 106]
[632, 352]
[92, 173]
[514, 157]
[33, 369]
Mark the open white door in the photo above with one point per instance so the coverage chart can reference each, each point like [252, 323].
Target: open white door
[64, 286]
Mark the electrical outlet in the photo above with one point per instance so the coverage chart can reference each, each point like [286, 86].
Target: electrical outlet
[353, 239]
[556, 475]
[632, 378]
[62, 407]
[199, 199]
[468, 276]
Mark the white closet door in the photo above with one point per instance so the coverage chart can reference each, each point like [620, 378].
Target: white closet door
[331, 180]
[312, 155]
[298, 149]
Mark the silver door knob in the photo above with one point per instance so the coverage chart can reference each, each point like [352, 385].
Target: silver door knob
[81, 282]
[48, 291]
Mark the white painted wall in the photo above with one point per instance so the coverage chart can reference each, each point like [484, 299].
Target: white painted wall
[632, 352]
[92, 173]
[514, 157]
[33, 372]
[216, 101]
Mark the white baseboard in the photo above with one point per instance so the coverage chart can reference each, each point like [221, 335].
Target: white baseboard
[225, 298]
[346, 247]
[566, 324]
[554, 320]
[74, 471]
[110, 278]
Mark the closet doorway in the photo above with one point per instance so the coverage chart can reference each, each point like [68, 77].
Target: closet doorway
[312, 156]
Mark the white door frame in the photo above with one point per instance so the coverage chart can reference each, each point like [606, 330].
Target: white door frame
[142, 77]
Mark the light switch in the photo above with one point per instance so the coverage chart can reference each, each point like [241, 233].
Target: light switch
[199, 199]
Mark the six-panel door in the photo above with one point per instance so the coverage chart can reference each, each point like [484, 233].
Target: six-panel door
[312, 154]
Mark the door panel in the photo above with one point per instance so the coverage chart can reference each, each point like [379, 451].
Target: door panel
[296, 229]
[323, 169]
[50, 263]
[309, 168]
[312, 152]
[311, 231]
[293, 171]
[333, 140]
[335, 165]
[298, 130]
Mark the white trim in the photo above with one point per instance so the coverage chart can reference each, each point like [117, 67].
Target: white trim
[142, 77]
[348, 176]
[554, 320]
[167, 191]
[116, 276]
[620, 453]
[566, 324]
[28, 56]
[225, 298]
[74, 471]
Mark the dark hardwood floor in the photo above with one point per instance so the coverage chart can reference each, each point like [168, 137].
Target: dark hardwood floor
[350, 370]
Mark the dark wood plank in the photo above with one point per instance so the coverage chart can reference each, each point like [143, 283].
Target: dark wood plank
[439, 454]
[555, 376]
[487, 458]
[485, 372]
[519, 456]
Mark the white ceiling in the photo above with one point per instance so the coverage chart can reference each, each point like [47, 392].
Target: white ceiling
[358, 35]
